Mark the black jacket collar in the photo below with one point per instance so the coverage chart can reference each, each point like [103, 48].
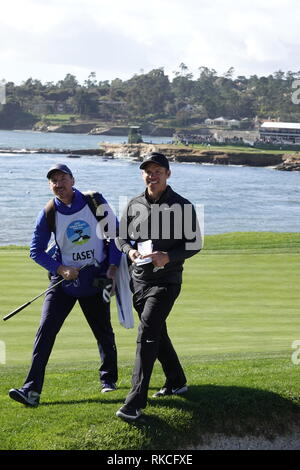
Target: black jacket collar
[163, 197]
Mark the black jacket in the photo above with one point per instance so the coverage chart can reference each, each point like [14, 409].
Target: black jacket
[171, 223]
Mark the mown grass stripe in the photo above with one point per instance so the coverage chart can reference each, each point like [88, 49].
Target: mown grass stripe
[233, 327]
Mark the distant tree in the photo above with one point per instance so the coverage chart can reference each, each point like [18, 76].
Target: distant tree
[103, 88]
[57, 94]
[85, 102]
[148, 93]
[148, 96]
[229, 73]
[33, 84]
[183, 71]
[12, 116]
[69, 82]
[206, 92]
[117, 90]
[91, 82]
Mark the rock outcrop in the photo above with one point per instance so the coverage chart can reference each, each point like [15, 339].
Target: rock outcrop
[83, 128]
[191, 155]
[136, 152]
[123, 131]
[79, 128]
[291, 162]
[115, 130]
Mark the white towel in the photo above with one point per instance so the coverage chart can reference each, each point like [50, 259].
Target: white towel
[124, 294]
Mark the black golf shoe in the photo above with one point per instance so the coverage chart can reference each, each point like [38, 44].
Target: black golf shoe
[127, 412]
[165, 391]
[108, 387]
[29, 398]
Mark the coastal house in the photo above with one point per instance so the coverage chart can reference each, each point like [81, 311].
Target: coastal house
[220, 121]
[280, 132]
[234, 123]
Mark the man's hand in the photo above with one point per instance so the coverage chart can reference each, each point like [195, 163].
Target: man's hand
[133, 255]
[159, 258]
[111, 272]
[69, 273]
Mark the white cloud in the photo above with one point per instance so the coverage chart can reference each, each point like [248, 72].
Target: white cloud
[31, 16]
[48, 39]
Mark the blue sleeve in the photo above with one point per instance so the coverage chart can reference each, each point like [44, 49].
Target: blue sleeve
[39, 243]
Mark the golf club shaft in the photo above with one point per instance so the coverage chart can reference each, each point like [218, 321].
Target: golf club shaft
[19, 309]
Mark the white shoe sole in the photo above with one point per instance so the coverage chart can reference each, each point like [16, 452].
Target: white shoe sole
[120, 414]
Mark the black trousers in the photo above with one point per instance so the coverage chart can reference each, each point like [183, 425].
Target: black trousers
[153, 304]
[57, 305]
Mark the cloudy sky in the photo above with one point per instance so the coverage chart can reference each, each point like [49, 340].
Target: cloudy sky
[46, 39]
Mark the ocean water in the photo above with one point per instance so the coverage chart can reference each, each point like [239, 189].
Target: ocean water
[234, 198]
[38, 140]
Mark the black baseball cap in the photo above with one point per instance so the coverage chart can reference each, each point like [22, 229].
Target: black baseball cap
[155, 157]
[59, 167]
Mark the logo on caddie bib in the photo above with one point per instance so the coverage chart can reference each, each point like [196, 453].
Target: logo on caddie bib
[79, 232]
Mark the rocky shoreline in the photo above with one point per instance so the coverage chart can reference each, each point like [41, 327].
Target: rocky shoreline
[280, 161]
[136, 152]
[93, 128]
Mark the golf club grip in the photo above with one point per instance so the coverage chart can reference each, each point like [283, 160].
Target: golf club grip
[11, 314]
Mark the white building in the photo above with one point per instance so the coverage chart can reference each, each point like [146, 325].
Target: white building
[220, 121]
[288, 132]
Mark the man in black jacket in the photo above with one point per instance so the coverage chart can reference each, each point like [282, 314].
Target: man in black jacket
[158, 231]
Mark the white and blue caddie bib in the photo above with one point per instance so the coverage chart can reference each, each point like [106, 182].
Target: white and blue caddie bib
[76, 236]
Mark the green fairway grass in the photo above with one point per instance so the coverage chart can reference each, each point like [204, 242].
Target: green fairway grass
[236, 149]
[233, 327]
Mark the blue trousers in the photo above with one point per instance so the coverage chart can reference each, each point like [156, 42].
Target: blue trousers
[57, 305]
